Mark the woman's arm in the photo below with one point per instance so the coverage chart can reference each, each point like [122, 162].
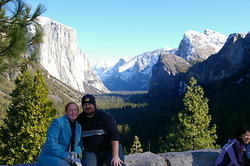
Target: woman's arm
[52, 140]
[79, 142]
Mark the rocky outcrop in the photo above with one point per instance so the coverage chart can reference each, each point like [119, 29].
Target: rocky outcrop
[61, 57]
[167, 72]
[204, 157]
[145, 159]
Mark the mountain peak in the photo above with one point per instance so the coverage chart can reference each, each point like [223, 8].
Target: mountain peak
[48, 21]
[235, 36]
[121, 61]
[197, 46]
[209, 32]
[191, 33]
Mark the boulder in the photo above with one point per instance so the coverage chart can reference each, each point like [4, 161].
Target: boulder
[205, 157]
[145, 159]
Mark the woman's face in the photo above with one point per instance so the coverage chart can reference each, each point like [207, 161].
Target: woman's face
[72, 112]
[246, 137]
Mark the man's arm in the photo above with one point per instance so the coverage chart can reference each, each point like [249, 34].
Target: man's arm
[111, 129]
[116, 161]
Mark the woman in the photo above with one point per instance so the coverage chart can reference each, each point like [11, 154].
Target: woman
[62, 146]
[233, 153]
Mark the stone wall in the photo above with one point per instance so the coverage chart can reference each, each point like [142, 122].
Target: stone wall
[204, 157]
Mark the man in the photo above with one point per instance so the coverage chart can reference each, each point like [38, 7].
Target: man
[100, 136]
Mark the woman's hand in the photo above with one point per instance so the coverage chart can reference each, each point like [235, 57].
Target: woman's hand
[72, 157]
[116, 161]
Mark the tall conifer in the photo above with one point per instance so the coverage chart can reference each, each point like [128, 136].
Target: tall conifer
[191, 129]
[27, 119]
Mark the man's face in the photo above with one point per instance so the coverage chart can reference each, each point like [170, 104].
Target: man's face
[88, 108]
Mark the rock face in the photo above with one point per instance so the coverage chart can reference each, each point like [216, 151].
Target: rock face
[61, 57]
[167, 72]
[233, 57]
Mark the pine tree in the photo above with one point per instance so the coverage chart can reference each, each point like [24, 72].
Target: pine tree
[136, 147]
[27, 119]
[15, 39]
[191, 128]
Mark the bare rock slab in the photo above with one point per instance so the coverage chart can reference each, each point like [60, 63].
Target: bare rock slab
[145, 159]
[205, 157]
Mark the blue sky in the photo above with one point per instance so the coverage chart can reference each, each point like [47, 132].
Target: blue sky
[110, 29]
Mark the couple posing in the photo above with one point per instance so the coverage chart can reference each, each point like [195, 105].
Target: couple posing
[90, 139]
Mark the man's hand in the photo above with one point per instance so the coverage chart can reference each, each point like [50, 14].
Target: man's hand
[116, 161]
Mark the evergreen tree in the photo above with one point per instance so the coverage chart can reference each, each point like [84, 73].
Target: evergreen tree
[15, 39]
[191, 128]
[27, 119]
[136, 147]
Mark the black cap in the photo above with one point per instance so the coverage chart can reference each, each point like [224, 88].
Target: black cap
[88, 99]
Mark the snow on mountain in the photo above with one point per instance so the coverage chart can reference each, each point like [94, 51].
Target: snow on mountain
[196, 46]
[139, 63]
[103, 67]
[127, 73]
[216, 38]
[135, 73]
[61, 57]
[109, 72]
[141, 60]
[131, 67]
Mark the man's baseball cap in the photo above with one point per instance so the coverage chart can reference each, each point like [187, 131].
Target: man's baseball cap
[88, 99]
